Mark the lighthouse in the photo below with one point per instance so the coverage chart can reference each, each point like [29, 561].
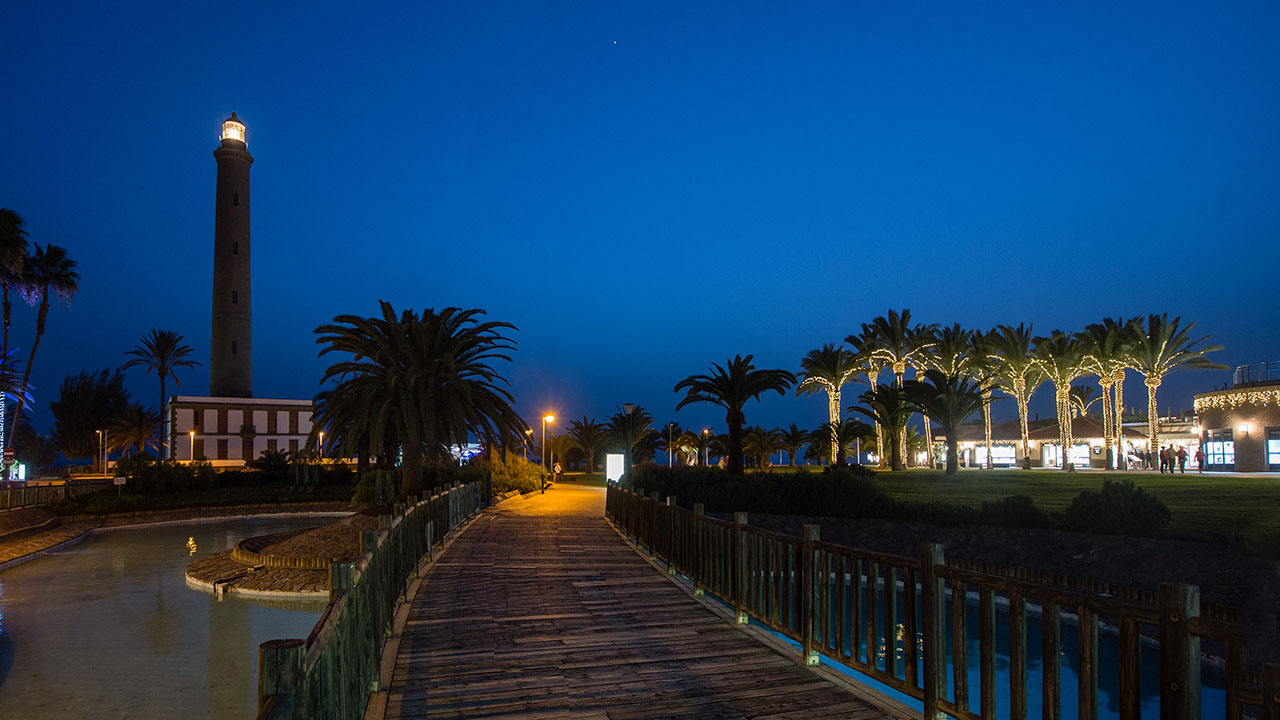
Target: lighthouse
[231, 342]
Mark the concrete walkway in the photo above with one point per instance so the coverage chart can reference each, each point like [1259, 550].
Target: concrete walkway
[540, 610]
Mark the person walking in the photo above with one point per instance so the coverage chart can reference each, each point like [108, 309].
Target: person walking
[1200, 459]
[1182, 460]
[1164, 460]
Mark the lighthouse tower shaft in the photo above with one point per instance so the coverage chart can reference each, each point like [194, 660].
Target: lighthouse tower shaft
[231, 343]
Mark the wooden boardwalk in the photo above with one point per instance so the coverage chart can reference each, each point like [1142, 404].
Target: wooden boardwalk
[540, 610]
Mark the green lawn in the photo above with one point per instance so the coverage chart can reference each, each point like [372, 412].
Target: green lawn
[1204, 507]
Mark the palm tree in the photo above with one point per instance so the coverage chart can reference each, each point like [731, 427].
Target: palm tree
[164, 352]
[1160, 348]
[827, 369]
[1017, 374]
[731, 387]
[951, 399]
[1061, 359]
[1111, 342]
[133, 428]
[847, 436]
[631, 431]
[48, 271]
[794, 441]
[901, 346]
[864, 347]
[888, 406]
[1082, 396]
[762, 444]
[590, 437]
[424, 381]
[982, 367]
[13, 253]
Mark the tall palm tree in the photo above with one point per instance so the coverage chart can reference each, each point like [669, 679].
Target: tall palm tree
[982, 368]
[951, 399]
[1017, 374]
[1061, 359]
[1160, 348]
[1109, 343]
[590, 437]
[762, 443]
[827, 369]
[134, 428]
[164, 352]
[13, 253]
[48, 271]
[730, 387]
[888, 406]
[902, 346]
[794, 441]
[425, 381]
[864, 347]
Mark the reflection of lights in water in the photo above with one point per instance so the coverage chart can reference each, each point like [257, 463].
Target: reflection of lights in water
[191, 546]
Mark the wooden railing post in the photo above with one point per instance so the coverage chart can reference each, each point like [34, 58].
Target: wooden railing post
[1271, 691]
[1179, 652]
[740, 579]
[808, 591]
[671, 535]
[699, 511]
[340, 578]
[368, 541]
[280, 669]
[934, 609]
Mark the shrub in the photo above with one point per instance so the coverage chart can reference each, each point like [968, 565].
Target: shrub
[513, 472]
[377, 487]
[1014, 511]
[1119, 508]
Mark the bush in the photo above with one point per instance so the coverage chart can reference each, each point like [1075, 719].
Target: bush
[1014, 511]
[513, 472]
[839, 492]
[1119, 508]
[377, 487]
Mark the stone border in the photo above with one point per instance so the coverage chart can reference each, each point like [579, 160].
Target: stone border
[210, 588]
[251, 558]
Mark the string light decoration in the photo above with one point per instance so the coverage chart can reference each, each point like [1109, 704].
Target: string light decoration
[1231, 399]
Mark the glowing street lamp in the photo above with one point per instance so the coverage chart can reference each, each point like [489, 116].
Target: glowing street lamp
[529, 432]
[706, 448]
[546, 419]
[320, 446]
[102, 452]
[193, 445]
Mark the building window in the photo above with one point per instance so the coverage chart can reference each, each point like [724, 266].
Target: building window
[235, 298]
[235, 248]
[235, 199]
[233, 347]
[1273, 448]
[1220, 450]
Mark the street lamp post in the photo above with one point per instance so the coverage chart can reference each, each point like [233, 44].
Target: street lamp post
[193, 445]
[528, 431]
[706, 447]
[102, 453]
[626, 453]
[320, 445]
[546, 419]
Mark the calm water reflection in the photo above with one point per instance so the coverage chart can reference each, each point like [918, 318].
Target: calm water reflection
[108, 627]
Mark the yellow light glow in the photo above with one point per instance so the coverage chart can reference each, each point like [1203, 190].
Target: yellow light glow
[549, 418]
[233, 129]
[1228, 399]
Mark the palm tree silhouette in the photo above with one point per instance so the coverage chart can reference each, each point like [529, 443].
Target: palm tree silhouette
[1160, 348]
[133, 428]
[47, 271]
[1061, 359]
[793, 441]
[163, 352]
[590, 437]
[951, 399]
[888, 406]
[730, 387]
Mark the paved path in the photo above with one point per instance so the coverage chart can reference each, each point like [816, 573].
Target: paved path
[540, 610]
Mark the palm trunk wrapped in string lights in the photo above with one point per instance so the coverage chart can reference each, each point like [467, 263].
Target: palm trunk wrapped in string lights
[986, 421]
[1108, 435]
[1118, 427]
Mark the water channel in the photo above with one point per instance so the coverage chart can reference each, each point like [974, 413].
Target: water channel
[107, 627]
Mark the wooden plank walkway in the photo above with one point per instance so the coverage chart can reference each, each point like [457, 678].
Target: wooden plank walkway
[540, 610]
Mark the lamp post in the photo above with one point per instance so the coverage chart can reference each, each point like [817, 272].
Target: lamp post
[102, 453]
[193, 445]
[529, 433]
[670, 455]
[320, 445]
[546, 419]
[706, 447]
[626, 451]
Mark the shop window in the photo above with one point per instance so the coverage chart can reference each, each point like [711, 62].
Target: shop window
[1273, 448]
[1220, 450]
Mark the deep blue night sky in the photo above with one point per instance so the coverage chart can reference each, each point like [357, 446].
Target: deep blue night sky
[644, 188]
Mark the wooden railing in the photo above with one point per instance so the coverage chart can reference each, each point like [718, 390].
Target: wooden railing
[332, 672]
[13, 498]
[888, 616]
